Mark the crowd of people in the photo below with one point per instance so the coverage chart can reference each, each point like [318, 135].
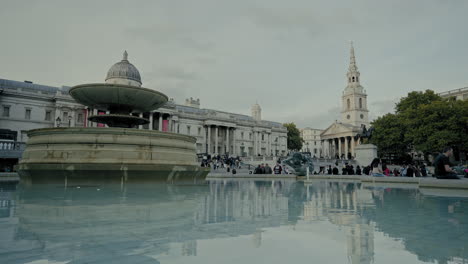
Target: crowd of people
[266, 169]
[217, 162]
[377, 168]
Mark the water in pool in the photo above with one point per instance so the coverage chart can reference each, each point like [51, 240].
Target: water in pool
[232, 222]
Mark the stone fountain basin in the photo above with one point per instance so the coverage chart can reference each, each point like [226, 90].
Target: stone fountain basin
[108, 96]
[109, 153]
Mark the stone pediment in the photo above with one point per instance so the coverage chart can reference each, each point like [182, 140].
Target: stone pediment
[339, 129]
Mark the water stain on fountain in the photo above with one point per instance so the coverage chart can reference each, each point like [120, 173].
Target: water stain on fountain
[118, 150]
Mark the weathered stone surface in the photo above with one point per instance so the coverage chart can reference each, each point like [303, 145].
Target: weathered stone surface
[109, 151]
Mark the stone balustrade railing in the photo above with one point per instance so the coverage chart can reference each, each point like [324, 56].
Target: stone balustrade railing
[11, 149]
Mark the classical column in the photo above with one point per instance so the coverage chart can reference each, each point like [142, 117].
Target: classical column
[254, 144]
[216, 140]
[346, 147]
[209, 139]
[259, 143]
[169, 123]
[95, 112]
[234, 147]
[268, 146]
[151, 121]
[352, 145]
[334, 147]
[339, 147]
[141, 116]
[227, 139]
[160, 122]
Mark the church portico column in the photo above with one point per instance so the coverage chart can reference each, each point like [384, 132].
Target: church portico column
[208, 141]
[346, 147]
[339, 147]
[352, 146]
[333, 148]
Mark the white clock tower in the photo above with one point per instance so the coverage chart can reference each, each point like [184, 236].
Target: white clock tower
[354, 100]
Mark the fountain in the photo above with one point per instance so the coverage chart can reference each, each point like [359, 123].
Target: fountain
[120, 150]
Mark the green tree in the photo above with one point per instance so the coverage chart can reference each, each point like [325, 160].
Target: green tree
[415, 99]
[294, 137]
[389, 135]
[423, 121]
[432, 126]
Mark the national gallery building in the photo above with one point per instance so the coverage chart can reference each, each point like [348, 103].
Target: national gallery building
[25, 106]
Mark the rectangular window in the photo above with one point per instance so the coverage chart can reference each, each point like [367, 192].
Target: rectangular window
[242, 135]
[65, 117]
[80, 118]
[188, 130]
[6, 111]
[48, 115]
[199, 131]
[27, 114]
[263, 137]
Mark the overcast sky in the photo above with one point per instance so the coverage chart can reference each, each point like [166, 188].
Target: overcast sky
[290, 56]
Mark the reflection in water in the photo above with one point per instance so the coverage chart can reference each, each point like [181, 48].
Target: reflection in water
[144, 223]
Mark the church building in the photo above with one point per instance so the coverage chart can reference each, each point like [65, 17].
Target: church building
[340, 138]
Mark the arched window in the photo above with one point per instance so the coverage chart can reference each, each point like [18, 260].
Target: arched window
[360, 103]
[357, 79]
[353, 78]
[348, 103]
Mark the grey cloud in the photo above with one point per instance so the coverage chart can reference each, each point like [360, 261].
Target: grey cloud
[172, 73]
[309, 20]
[170, 34]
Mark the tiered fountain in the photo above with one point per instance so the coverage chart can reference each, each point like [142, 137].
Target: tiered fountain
[119, 150]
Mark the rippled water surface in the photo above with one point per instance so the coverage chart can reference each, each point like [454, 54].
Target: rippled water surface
[232, 222]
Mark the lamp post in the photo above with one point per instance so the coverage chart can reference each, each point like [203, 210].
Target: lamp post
[58, 121]
[69, 120]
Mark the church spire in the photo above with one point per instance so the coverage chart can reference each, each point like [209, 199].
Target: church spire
[352, 59]
[353, 73]
[125, 55]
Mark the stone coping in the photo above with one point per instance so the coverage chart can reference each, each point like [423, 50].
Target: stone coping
[109, 131]
[114, 85]
[9, 177]
[250, 176]
[104, 95]
[397, 182]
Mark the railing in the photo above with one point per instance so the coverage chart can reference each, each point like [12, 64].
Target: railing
[11, 149]
[455, 91]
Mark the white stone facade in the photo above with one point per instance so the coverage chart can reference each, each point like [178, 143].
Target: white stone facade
[26, 106]
[312, 141]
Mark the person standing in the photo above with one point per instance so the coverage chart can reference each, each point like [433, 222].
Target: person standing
[277, 169]
[268, 169]
[358, 170]
[442, 168]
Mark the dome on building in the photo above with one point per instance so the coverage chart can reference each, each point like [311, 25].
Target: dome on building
[124, 72]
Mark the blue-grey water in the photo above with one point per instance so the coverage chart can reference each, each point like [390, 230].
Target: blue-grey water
[232, 222]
